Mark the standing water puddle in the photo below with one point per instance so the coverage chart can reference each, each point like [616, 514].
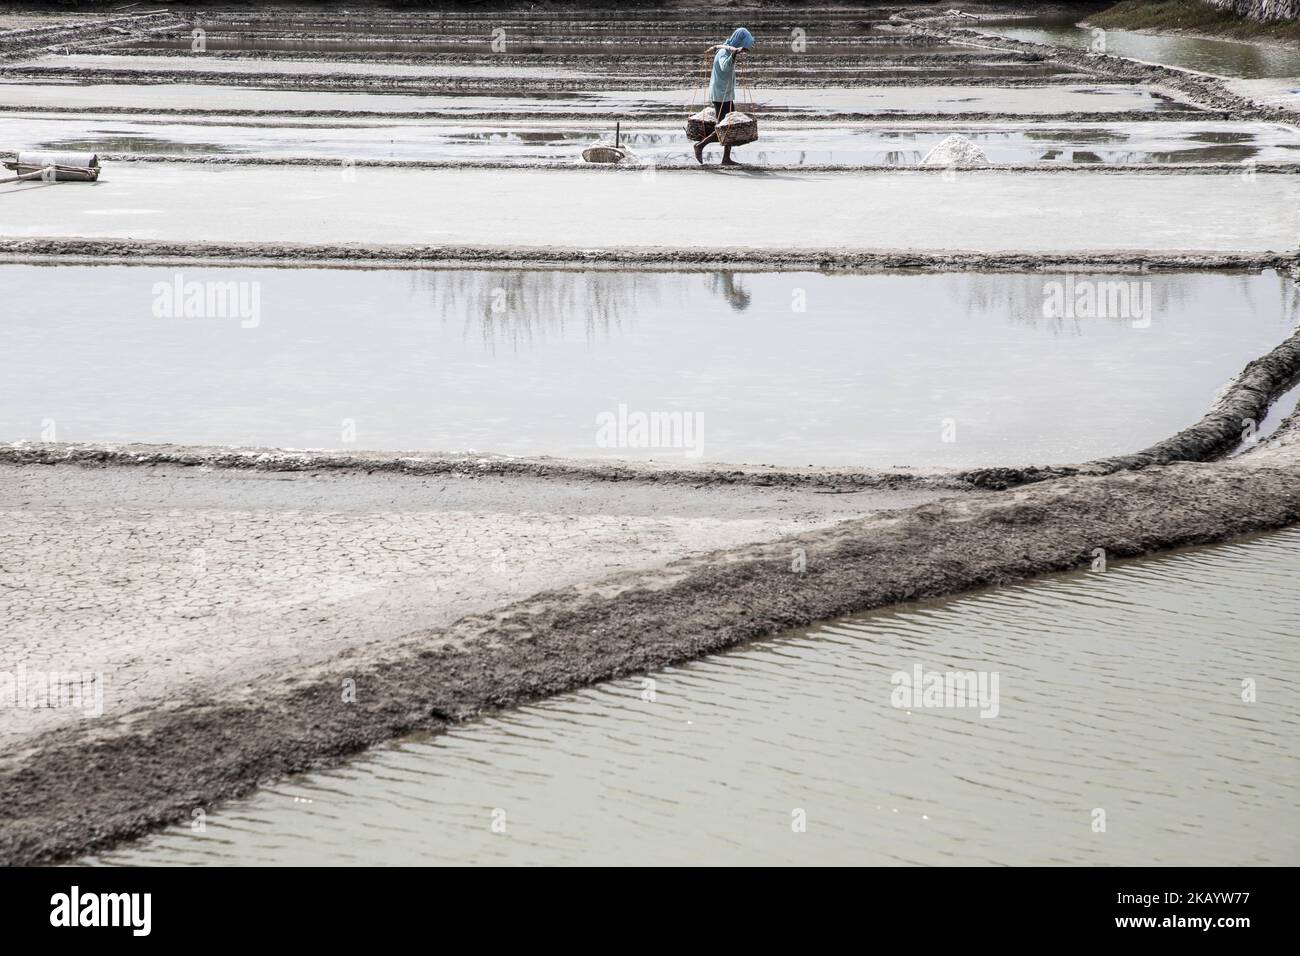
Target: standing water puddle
[785, 368]
[896, 143]
[1119, 703]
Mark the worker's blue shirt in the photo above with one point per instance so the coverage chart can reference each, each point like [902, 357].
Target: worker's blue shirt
[722, 85]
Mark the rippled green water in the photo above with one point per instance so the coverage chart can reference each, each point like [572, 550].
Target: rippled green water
[1119, 691]
[1221, 57]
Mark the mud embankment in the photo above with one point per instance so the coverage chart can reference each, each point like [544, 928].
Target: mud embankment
[464, 466]
[157, 251]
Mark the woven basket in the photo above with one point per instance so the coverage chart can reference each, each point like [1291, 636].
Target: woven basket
[737, 129]
[699, 125]
[604, 153]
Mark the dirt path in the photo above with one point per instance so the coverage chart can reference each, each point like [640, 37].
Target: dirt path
[179, 583]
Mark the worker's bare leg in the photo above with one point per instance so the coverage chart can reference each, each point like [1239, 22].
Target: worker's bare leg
[726, 157]
[699, 147]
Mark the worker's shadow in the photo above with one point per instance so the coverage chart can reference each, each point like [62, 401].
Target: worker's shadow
[750, 172]
[29, 187]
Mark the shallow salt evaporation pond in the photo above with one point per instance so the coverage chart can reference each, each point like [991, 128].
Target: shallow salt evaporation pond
[1118, 691]
[896, 143]
[785, 368]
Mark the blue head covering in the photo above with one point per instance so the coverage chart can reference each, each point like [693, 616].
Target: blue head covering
[741, 38]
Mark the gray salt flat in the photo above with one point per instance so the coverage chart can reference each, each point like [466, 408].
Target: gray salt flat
[512, 210]
[130, 572]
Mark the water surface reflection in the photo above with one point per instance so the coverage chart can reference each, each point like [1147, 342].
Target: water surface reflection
[788, 368]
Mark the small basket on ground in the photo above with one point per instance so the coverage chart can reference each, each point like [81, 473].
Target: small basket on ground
[737, 129]
[603, 151]
[701, 124]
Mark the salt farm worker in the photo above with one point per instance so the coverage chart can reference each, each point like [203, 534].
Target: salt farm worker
[722, 86]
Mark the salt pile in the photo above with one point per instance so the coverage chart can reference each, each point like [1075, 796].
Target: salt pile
[605, 151]
[956, 150]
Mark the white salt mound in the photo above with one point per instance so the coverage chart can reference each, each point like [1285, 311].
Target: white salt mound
[956, 150]
[604, 151]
